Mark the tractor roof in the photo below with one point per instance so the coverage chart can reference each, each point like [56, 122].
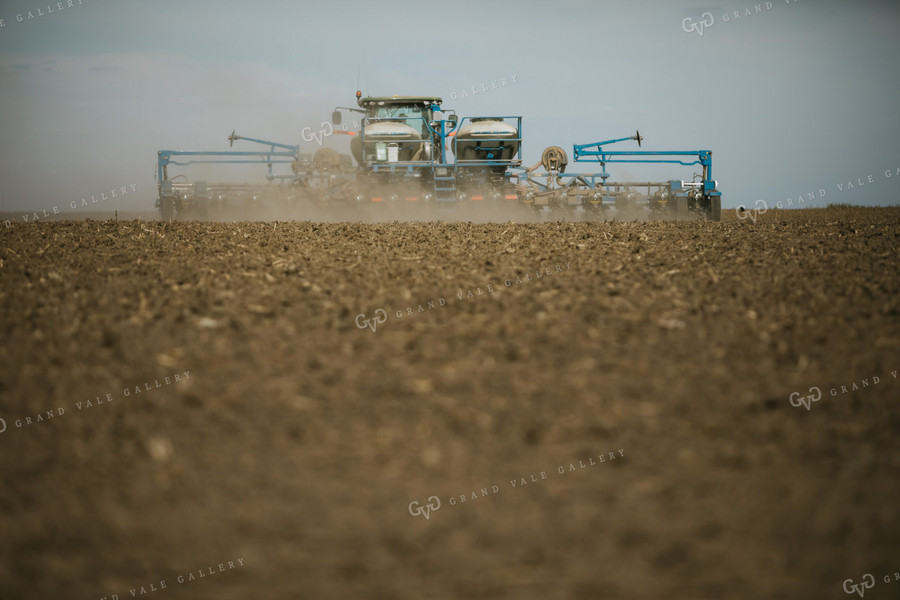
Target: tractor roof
[398, 100]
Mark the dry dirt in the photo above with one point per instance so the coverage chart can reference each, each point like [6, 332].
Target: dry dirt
[300, 442]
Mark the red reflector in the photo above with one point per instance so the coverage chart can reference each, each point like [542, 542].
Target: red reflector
[377, 200]
[511, 197]
[477, 197]
[412, 199]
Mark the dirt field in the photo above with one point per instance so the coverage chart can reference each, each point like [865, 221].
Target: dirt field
[303, 442]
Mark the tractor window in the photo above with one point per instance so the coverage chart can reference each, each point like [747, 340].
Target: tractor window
[410, 114]
[414, 115]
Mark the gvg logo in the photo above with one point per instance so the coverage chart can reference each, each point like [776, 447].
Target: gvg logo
[867, 583]
[743, 214]
[434, 503]
[309, 135]
[706, 20]
[815, 394]
[380, 317]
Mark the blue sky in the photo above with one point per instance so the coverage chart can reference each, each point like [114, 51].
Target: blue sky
[796, 97]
